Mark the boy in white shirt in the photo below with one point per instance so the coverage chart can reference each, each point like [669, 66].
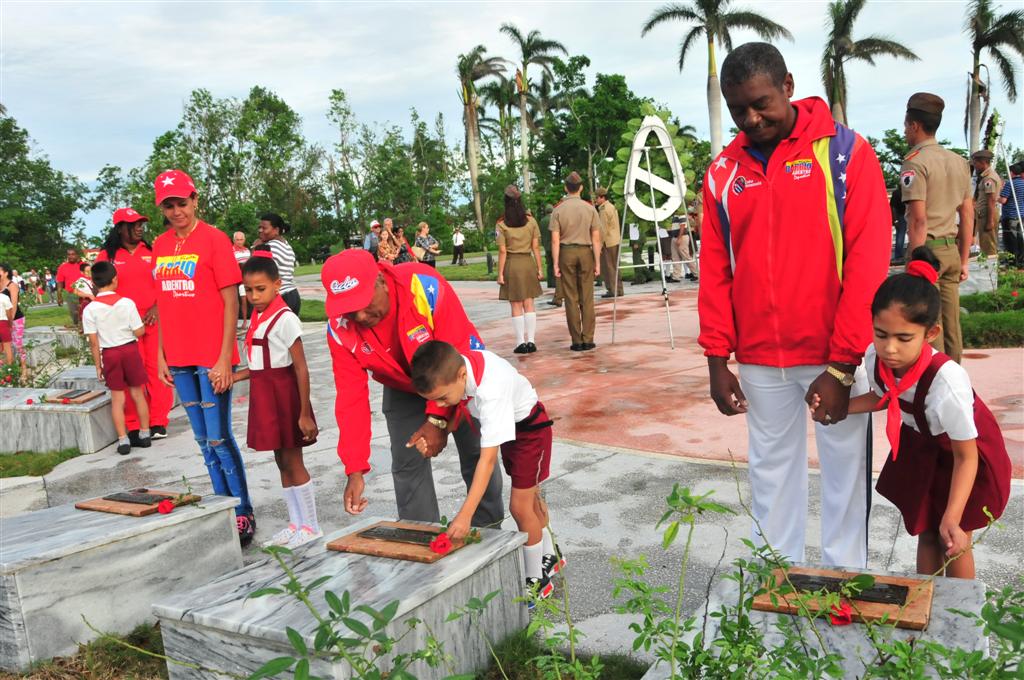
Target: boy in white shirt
[483, 385]
[113, 325]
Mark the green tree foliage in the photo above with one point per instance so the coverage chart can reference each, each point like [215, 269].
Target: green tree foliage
[38, 204]
[1001, 38]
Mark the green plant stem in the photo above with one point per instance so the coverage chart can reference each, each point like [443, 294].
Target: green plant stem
[679, 600]
[490, 648]
[565, 602]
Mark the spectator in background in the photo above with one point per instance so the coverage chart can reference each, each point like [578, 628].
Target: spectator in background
[83, 288]
[241, 257]
[67, 274]
[431, 248]
[458, 247]
[272, 231]
[899, 220]
[1012, 198]
[12, 291]
[17, 278]
[404, 249]
[51, 284]
[33, 286]
[372, 239]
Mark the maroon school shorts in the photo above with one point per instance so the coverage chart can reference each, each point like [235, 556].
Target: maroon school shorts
[527, 459]
[5, 331]
[123, 367]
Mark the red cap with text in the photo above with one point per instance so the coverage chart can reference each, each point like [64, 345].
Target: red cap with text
[173, 184]
[349, 278]
[128, 215]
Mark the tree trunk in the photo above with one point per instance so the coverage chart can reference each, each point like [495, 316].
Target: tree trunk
[472, 156]
[714, 100]
[974, 111]
[838, 113]
[524, 137]
[591, 172]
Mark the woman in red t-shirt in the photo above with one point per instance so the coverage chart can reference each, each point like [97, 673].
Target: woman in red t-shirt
[197, 299]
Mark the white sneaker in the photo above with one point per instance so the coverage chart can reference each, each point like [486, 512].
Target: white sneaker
[282, 537]
[303, 536]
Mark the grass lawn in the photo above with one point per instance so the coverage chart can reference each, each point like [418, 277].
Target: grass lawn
[304, 269]
[312, 310]
[46, 316]
[105, 660]
[518, 652]
[33, 464]
[470, 272]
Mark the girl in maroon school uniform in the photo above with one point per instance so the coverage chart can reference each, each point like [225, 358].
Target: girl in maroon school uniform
[280, 415]
[948, 463]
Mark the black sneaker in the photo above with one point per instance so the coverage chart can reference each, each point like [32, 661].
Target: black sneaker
[246, 528]
[124, 449]
[134, 438]
[670, 279]
[538, 589]
[522, 349]
[588, 346]
[552, 564]
[531, 348]
[577, 347]
[158, 432]
[143, 442]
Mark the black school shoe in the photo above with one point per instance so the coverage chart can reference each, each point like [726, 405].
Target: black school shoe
[577, 347]
[246, 528]
[531, 348]
[522, 349]
[588, 346]
[124, 449]
[137, 441]
[158, 432]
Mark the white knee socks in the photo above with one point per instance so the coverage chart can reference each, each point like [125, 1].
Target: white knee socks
[306, 497]
[532, 555]
[531, 326]
[517, 324]
[294, 513]
[548, 542]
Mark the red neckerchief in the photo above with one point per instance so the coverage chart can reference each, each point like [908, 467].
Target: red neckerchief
[893, 418]
[108, 299]
[257, 318]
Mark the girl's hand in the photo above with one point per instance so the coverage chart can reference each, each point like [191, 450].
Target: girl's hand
[307, 427]
[220, 376]
[540, 274]
[163, 372]
[501, 279]
[953, 537]
[458, 528]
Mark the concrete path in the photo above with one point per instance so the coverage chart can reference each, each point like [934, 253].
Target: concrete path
[632, 419]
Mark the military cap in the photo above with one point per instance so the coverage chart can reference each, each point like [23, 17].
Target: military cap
[981, 155]
[601, 192]
[574, 178]
[926, 102]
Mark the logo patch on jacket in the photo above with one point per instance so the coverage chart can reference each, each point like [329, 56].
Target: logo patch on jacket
[418, 334]
[907, 178]
[800, 168]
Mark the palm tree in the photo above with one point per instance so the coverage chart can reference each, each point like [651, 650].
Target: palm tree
[501, 94]
[471, 67]
[997, 34]
[715, 21]
[533, 49]
[841, 48]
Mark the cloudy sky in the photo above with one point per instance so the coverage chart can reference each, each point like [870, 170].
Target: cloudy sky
[96, 82]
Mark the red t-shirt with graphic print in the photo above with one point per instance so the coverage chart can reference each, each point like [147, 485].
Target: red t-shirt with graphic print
[189, 275]
[134, 275]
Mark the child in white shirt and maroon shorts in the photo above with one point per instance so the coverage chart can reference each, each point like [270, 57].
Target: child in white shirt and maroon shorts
[485, 386]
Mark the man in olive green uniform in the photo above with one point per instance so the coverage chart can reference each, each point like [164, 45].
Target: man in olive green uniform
[576, 248]
[549, 260]
[936, 186]
[611, 237]
[986, 207]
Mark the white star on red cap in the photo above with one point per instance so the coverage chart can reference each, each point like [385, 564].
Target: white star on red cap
[720, 163]
[169, 180]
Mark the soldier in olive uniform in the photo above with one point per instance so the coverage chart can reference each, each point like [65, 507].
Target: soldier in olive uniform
[549, 260]
[611, 237]
[936, 185]
[986, 195]
[576, 248]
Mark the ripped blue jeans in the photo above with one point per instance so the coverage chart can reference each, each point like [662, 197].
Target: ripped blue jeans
[210, 416]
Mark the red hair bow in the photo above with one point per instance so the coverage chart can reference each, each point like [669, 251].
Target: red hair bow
[924, 270]
[263, 253]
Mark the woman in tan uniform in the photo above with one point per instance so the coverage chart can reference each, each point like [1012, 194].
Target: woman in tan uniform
[520, 268]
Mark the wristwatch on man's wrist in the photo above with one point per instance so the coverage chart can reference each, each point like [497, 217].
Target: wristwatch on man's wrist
[845, 379]
[439, 423]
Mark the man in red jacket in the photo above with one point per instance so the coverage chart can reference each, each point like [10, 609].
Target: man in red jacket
[379, 315]
[795, 243]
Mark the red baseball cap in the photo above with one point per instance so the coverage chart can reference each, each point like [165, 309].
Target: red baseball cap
[173, 184]
[128, 215]
[349, 278]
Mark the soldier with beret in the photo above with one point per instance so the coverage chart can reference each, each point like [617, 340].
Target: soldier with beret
[611, 237]
[986, 207]
[545, 239]
[576, 249]
[936, 186]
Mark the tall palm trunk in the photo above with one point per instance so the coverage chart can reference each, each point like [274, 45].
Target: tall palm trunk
[472, 156]
[975, 105]
[714, 100]
[524, 137]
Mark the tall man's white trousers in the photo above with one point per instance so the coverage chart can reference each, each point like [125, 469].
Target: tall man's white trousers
[777, 423]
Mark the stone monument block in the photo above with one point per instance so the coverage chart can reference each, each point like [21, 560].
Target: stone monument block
[53, 426]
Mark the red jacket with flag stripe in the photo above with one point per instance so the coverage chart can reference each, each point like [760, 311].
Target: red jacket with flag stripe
[792, 253]
[425, 308]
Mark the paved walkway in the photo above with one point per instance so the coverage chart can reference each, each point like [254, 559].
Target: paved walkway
[632, 419]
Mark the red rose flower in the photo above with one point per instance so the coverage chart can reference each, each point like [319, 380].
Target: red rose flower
[841, 615]
[29, 402]
[165, 507]
[441, 545]
[65, 400]
[1014, 293]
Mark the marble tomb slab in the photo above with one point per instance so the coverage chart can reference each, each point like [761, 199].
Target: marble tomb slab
[64, 337]
[59, 564]
[944, 627]
[53, 427]
[217, 627]
[84, 378]
[40, 352]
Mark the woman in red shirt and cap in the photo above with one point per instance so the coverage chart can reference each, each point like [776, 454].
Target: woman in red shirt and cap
[197, 297]
[129, 252]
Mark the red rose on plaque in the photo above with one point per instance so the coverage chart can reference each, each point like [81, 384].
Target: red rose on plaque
[29, 402]
[65, 400]
[165, 507]
[841, 615]
[441, 545]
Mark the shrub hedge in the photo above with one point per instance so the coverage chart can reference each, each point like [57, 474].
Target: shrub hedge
[993, 329]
